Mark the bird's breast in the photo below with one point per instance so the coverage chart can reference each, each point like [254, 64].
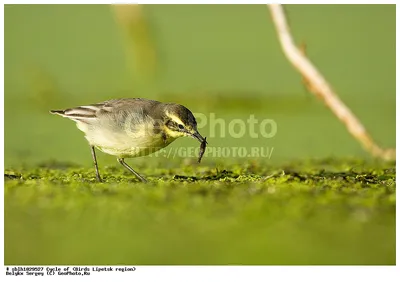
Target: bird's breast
[129, 140]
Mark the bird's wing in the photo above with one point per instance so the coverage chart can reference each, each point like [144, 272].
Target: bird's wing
[92, 112]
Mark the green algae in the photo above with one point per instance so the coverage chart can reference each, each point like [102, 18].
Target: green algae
[310, 212]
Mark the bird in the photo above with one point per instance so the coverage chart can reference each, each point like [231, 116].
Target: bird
[132, 127]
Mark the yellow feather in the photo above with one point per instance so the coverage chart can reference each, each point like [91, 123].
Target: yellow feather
[174, 118]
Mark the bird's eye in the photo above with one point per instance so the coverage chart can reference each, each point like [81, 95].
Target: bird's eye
[181, 126]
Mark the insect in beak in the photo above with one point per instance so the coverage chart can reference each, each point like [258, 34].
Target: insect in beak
[203, 144]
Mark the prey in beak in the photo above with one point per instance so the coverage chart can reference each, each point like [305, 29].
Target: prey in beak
[203, 144]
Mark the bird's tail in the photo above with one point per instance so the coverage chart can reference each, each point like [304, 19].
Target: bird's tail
[85, 114]
[78, 112]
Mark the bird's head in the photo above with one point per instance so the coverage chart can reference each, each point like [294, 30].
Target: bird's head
[179, 121]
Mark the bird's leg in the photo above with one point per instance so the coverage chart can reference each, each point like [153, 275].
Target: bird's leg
[121, 161]
[95, 163]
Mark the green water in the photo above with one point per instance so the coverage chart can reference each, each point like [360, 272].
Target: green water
[67, 55]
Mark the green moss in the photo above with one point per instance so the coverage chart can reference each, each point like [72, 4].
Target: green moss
[316, 212]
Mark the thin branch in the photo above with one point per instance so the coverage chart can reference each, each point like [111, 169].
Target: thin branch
[320, 87]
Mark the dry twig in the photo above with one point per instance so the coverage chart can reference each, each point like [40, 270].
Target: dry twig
[316, 83]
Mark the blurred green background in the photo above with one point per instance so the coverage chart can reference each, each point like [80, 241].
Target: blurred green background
[222, 59]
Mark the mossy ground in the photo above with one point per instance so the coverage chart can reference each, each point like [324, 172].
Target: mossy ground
[316, 212]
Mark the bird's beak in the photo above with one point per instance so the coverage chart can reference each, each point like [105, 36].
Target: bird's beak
[197, 136]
